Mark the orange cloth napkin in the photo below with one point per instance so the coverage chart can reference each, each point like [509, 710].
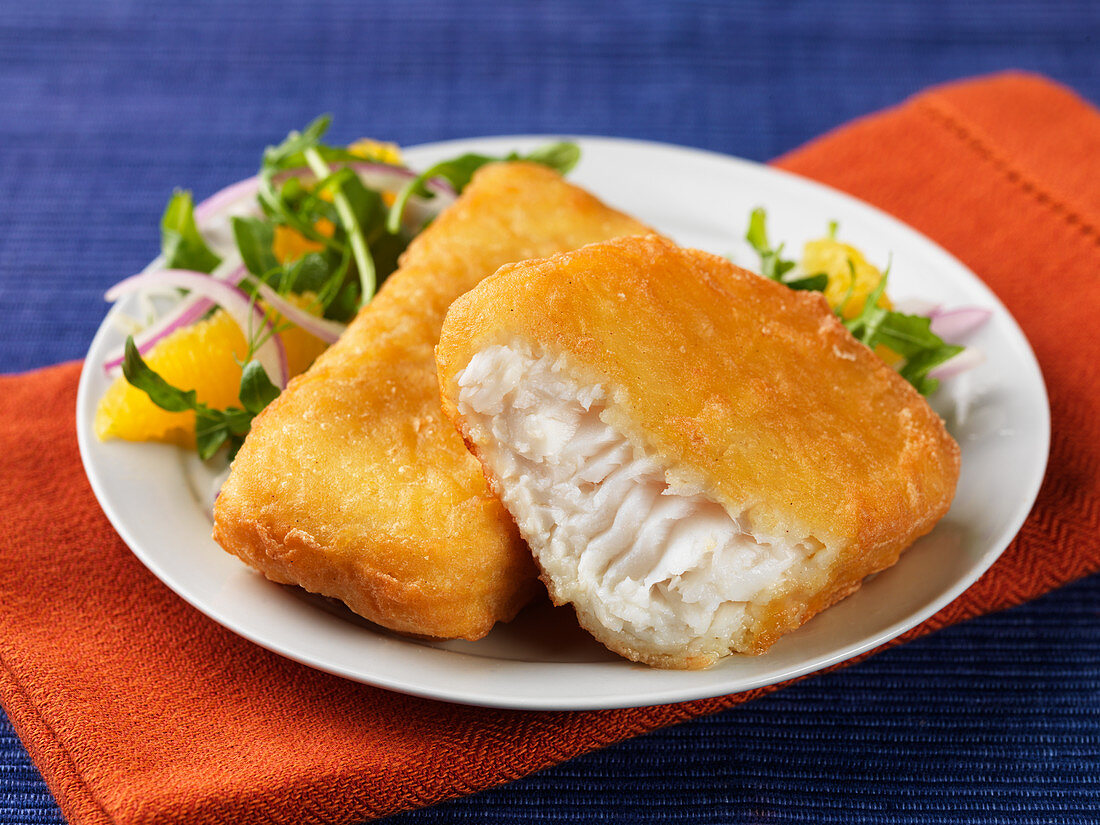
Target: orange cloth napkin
[137, 709]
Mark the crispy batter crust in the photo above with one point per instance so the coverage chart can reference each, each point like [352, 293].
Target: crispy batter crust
[755, 389]
[352, 484]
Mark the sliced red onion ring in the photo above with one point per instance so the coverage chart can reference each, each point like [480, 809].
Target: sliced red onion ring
[386, 177]
[215, 489]
[249, 317]
[955, 324]
[188, 311]
[322, 328]
[965, 360]
[376, 175]
[224, 198]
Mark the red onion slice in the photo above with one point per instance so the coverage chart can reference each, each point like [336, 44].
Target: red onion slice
[225, 198]
[955, 324]
[249, 317]
[188, 311]
[965, 360]
[378, 176]
[381, 176]
[184, 314]
[328, 331]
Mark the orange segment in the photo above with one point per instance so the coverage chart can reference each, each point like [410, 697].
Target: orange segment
[382, 152]
[289, 244]
[377, 150]
[832, 257]
[891, 358]
[301, 347]
[202, 357]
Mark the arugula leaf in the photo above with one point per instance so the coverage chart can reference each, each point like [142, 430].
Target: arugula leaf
[910, 336]
[307, 199]
[287, 153]
[358, 213]
[561, 156]
[309, 273]
[301, 213]
[180, 242]
[160, 392]
[772, 265]
[757, 233]
[366, 204]
[865, 325]
[213, 427]
[294, 204]
[916, 368]
[459, 171]
[364, 262]
[290, 154]
[907, 335]
[366, 211]
[387, 250]
[810, 283]
[255, 238]
[373, 234]
[335, 284]
[257, 391]
[344, 304]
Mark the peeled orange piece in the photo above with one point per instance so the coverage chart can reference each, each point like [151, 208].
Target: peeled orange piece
[203, 357]
[289, 244]
[832, 257]
[378, 150]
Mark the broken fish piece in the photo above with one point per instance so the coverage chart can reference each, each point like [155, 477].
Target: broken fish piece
[352, 483]
[699, 458]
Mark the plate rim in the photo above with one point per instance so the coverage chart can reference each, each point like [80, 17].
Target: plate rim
[487, 697]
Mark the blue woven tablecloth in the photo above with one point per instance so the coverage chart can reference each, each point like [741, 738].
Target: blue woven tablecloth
[106, 106]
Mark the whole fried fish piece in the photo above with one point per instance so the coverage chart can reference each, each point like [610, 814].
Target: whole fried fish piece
[352, 483]
[700, 459]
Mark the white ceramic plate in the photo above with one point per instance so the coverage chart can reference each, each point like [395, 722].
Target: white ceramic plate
[542, 660]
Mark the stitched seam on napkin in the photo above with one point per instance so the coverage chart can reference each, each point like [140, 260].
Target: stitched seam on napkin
[947, 116]
[32, 709]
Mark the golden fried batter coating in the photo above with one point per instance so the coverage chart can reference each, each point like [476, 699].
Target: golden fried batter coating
[352, 484]
[746, 390]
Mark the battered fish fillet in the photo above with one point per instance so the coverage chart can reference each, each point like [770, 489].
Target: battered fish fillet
[699, 458]
[353, 484]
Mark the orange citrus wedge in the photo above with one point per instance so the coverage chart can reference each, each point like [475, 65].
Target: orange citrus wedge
[832, 257]
[289, 244]
[203, 357]
[378, 150]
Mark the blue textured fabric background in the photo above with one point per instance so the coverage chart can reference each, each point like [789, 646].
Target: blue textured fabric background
[106, 106]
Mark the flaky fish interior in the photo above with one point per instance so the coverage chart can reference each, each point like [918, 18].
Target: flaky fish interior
[699, 459]
[640, 548]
